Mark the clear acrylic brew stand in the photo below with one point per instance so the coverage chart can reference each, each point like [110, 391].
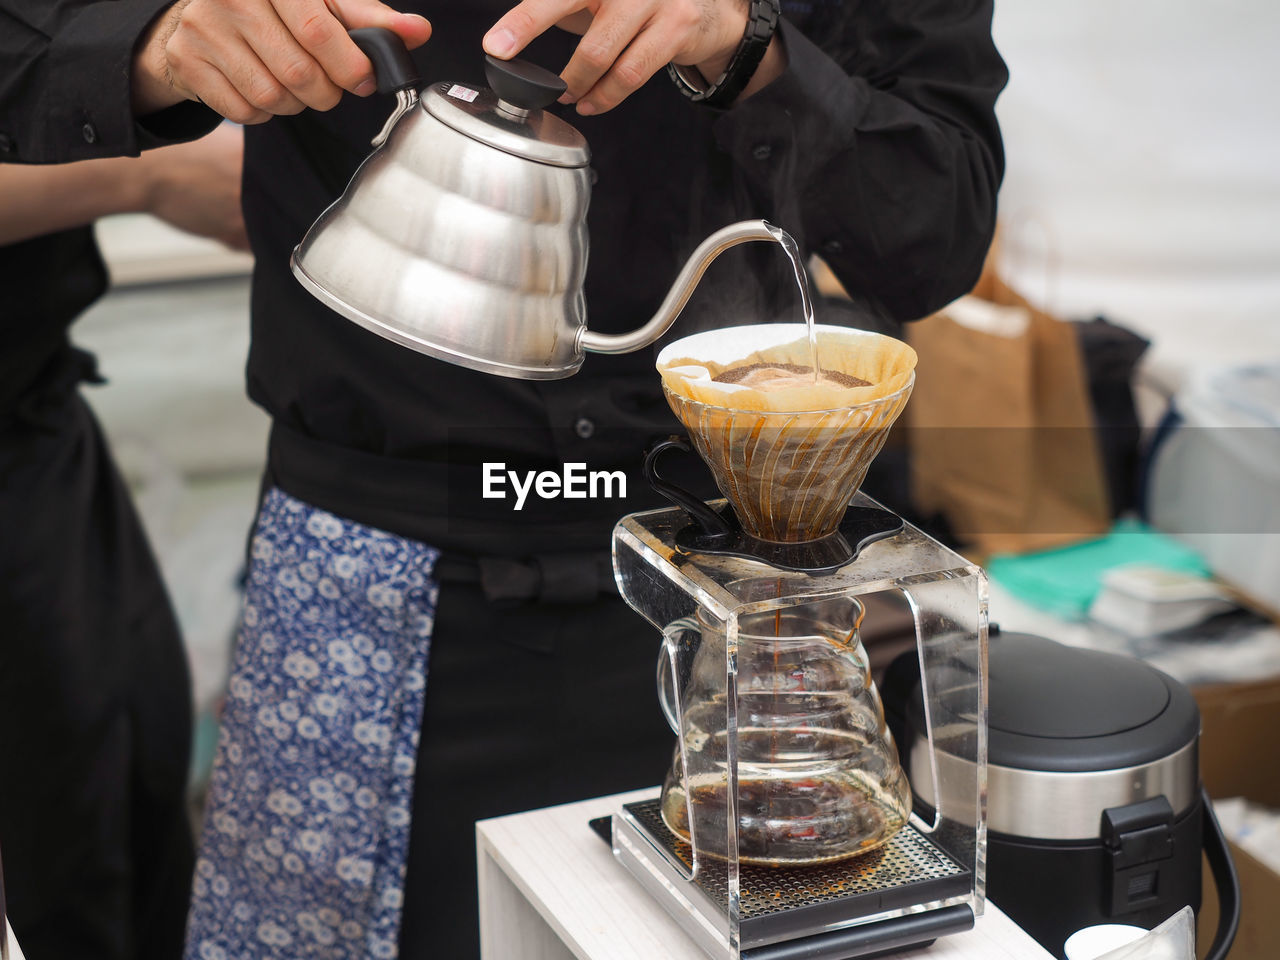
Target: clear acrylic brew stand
[929, 879]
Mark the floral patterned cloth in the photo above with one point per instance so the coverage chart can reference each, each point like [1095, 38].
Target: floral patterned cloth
[307, 823]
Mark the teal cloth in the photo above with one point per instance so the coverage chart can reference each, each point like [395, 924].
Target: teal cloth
[1065, 581]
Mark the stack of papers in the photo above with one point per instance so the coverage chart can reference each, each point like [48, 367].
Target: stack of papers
[1143, 600]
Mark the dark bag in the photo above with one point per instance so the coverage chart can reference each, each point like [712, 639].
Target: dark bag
[1111, 353]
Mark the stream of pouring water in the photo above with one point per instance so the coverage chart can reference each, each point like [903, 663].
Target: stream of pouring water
[792, 250]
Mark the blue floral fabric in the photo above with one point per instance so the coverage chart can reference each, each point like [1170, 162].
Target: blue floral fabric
[307, 822]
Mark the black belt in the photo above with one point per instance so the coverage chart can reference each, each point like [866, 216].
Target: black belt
[43, 405]
[542, 578]
[411, 498]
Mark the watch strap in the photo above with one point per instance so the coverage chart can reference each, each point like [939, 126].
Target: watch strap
[762, 22]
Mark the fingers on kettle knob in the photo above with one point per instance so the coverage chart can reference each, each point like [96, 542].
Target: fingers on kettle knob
[392, 64]
[522, 84]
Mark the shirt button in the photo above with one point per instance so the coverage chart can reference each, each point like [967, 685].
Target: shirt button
[6, 143]
[833, 247]
[90, 135]
[762, 151]
[584, 428]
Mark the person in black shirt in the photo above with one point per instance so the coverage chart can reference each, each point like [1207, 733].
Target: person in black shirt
[868, 132]
[95, 699]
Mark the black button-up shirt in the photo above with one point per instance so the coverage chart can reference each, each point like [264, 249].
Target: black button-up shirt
[878, 147]
[64, 95]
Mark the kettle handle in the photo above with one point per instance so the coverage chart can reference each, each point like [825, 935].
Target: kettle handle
[393, 68]
[681, 290]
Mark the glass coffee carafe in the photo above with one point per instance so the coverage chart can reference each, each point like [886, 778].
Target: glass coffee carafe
[817, 772]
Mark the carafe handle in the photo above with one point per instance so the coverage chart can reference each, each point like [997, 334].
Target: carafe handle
[670, 699]
[668, 694]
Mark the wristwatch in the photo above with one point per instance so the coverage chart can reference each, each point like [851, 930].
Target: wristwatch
[762, 21]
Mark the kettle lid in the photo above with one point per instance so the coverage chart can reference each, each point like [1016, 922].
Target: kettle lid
[509, 115]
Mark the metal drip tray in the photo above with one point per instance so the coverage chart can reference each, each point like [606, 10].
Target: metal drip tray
[785, 903]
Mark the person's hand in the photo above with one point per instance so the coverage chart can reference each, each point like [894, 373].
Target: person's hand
[625, 42]
[196, 186]
[252, 59]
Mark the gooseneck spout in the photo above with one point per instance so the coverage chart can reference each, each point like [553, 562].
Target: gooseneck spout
[681, 290]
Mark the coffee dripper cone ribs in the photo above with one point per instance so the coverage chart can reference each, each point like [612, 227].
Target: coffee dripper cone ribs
[789, 476]
[788, 461]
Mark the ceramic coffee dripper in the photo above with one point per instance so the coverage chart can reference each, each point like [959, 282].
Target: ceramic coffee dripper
[788, 474]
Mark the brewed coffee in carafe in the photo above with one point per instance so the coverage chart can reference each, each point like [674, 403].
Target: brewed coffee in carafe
[817, 772]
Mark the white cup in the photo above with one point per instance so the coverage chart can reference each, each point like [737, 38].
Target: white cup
[1088, 943]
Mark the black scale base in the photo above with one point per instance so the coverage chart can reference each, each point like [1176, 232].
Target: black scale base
[782, 907]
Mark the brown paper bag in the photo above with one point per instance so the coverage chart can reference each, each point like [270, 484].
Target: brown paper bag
[1002, 437]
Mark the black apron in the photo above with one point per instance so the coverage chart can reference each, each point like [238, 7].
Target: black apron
[526, 706]
[95, 703]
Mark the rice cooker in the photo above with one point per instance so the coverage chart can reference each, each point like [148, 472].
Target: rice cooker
[1095, 810]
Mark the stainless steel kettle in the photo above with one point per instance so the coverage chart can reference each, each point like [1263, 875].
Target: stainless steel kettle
[463, 235]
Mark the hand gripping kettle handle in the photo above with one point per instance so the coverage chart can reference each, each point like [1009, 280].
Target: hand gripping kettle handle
[681, 290]
[392, 66]
[1225, 882]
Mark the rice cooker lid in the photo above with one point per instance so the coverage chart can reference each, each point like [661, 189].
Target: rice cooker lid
[1062, 709]
[1071, 734]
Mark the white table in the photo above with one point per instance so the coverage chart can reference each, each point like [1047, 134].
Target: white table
[15, 952]
[550, 889]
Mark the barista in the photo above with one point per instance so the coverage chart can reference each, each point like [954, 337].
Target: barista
[869, 133]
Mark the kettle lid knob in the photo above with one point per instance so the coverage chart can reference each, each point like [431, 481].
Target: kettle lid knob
[522, 84]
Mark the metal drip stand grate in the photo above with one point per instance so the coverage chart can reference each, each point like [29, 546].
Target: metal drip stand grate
[783, 902]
